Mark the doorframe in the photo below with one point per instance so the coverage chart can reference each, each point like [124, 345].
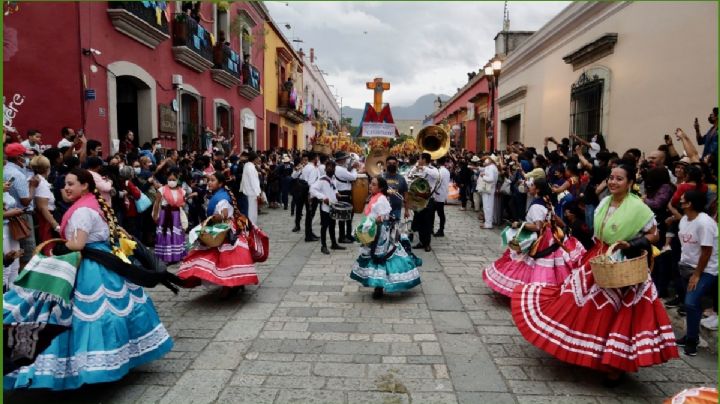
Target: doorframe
[147, 115]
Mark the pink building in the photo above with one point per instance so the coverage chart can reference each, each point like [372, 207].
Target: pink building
[147, 66]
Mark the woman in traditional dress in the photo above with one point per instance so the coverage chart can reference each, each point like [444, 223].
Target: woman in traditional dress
[613, 330]
[549, 261]
[387, 264]
[170, 236]
[231, 264]
[111, 325]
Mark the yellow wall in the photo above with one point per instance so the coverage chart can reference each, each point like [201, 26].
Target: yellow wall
[271, 87]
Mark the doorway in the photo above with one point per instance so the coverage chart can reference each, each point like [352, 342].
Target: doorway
[274, 135]
[511, 127]
[481, 132]
[132, 100]
[190, 123]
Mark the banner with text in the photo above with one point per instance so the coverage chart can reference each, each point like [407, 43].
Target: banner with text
[377, 129]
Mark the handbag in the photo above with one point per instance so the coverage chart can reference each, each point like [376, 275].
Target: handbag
[484, 187]
[143, 203]
[19, 228]
[258, 243]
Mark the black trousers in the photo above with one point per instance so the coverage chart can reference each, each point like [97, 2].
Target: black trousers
[300, 201]
[346, 225]
[440, 209]
[423, 223]
[327, 224]
[311, 207]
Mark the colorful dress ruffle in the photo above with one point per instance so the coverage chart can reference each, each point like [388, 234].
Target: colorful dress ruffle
[515, 269]
[228, 265]
[170, 241]
[113, 328]
[396, 273]
[604, 329]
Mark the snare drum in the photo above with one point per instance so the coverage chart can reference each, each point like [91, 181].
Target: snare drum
[341, 211]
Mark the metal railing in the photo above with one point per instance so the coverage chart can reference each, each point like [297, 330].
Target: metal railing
[251, 76]
[187, 32]
[146, 11]
[228, 60]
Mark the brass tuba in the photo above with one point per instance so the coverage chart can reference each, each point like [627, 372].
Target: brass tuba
[435, 140]
[375, 161]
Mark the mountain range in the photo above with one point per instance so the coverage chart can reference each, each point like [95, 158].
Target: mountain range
[417, 111]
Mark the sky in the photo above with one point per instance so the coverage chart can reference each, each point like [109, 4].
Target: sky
[418, 47]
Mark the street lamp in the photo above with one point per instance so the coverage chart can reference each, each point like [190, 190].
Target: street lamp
[492, 69]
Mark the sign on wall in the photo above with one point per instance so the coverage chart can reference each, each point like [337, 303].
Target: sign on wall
[10, 110]
[376, 129]
[168, 119]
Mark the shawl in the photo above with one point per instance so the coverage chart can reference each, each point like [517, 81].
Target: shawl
[370, 204]
[629, 219]
[218, 196]
[167, 193]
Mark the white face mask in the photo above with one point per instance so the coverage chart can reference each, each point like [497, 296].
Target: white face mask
[137, 170]
[596, 162]
[172, 183]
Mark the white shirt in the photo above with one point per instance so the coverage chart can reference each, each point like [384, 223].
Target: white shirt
[26, 144]
[344, 178]
[310, 173]
[324, 189]
[536, 213]
[222, 205]
[430, 173]
[593, 149]
[490, 174]
[441, 194]
[321, 170]
[43, 191]
[693, 234]
[250, 184]
[64, 143]
[89, 221]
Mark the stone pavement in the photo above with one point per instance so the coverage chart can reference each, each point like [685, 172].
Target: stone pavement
[309, 334]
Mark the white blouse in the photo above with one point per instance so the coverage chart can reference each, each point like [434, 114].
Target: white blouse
[380, 208]
[536, 213]
[89, 221]
[222, 205]
[43, 191]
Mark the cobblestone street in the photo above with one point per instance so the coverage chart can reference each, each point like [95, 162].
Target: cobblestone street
[310, 334]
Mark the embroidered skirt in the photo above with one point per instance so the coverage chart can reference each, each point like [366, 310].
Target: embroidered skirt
[170, 241]
[113, 327]
[586, 325]
[397, 273]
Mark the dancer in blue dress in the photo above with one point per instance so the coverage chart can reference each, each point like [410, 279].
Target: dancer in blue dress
[387, 263]
[108, 327]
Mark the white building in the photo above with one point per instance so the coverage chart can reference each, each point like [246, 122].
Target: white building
[320, 102]
[632, 71]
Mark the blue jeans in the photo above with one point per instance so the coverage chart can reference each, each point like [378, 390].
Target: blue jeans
[589, 216]
[692, 304]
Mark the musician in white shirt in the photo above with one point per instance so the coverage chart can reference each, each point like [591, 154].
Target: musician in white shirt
[250, 186]
[423, 220]
[343, 183]
[490, 175]
[441, 195]
[325, 191]
[310, 176]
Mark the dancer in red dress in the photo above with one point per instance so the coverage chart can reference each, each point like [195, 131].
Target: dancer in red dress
[229, 265]
[614, 330]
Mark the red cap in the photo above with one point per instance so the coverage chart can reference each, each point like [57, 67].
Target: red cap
[14, 150]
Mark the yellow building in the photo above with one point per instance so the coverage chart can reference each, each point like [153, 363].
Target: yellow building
[283, 91]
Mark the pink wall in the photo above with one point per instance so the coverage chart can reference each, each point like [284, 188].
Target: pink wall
[56, 92]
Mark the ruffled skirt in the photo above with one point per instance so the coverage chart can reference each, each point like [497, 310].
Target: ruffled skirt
[113, 327]
[228, 265]
[397, 273]
[170, 242]
[586, 325]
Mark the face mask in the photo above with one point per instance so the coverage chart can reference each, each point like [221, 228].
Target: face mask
[579, 166]
[392, 168]
[137, 170]
[596, 163]
[172, 183]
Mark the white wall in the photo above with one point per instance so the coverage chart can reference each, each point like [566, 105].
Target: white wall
[319, 95]
[663, 73]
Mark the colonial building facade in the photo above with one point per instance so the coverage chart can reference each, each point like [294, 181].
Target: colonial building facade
[320, 104]
[161, 69]
[632, 71]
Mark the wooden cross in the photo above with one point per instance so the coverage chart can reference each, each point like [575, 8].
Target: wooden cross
[378, 87]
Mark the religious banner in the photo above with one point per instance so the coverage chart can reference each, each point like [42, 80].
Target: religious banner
[378, 129]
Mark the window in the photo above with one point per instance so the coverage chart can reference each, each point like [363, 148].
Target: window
[245, 41]
[586, 106]
[222, 23]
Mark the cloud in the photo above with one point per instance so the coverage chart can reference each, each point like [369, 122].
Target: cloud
[419, 47]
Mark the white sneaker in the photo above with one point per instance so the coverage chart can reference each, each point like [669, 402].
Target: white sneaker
[711, 323]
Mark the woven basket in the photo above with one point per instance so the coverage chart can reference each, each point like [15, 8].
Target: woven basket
[211, 240]
[611, 274]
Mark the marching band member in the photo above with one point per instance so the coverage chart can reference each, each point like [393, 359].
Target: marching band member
[441, 195]
[423, 220]
[398, 188]
[324, 190]
[385, 264]
[343, 182]
[310, 174]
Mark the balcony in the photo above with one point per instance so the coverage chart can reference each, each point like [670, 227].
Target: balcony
[250, 87]
[288, 109]
[191, 44]
[140, 21]
[226, 70]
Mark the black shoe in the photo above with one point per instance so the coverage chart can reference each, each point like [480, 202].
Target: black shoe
[419, 246]
[295, 229]
[344, 240]
[439, 234]
[691, 348]
[681, 342]
[428, 248]
[377, 293]
[285, 208]
[681, 311]
[325, 250]
[673, 302]
[310, 239]
[337, 247]
[316, 236]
